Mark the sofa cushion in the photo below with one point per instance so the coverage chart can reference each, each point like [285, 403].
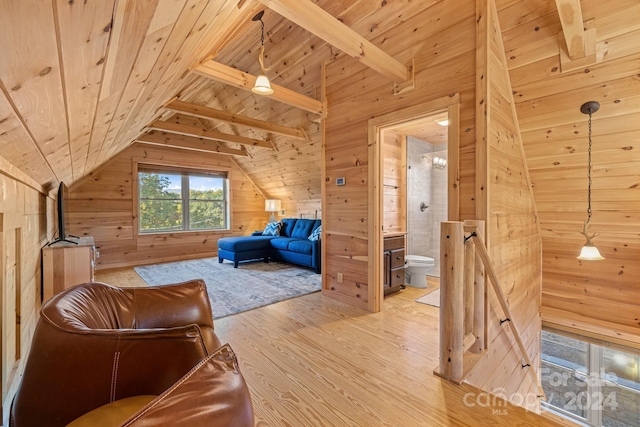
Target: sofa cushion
[287, 226]
[281, 243]
[303, 228]
[301, 246]
[272, 229]
[244, 243]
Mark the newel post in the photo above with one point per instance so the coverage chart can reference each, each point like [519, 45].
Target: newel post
[451, 299]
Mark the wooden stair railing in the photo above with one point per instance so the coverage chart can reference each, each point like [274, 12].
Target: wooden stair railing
[463, 299]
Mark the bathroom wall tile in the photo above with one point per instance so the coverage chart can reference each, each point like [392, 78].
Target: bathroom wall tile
[429, 185]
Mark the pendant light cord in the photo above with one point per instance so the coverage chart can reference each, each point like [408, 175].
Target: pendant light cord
[589, 174]
[261, 55]
[261, 32]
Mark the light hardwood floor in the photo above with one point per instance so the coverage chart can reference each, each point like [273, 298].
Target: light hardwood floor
[314, 361]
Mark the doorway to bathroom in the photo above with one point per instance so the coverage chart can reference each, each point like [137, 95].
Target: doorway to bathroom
[425, 193]
[413, 187]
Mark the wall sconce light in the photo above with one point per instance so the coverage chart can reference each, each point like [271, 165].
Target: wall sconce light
[589, 252]
[273, 206]
[439, 163]
[262, 85]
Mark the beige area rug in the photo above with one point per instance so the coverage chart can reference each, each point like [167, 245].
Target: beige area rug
[234, 290]
[432, 298]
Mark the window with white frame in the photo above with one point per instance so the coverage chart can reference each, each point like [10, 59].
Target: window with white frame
[172, 200]
[591, 384]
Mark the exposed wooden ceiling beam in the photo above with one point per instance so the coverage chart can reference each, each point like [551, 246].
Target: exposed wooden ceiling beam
[316, 20]
[228, 75]
[211, 113]
[572, 27]
[188, 143]
[199, 132]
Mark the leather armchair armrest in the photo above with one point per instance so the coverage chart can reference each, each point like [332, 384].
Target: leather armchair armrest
[212, 393]
[100, 366]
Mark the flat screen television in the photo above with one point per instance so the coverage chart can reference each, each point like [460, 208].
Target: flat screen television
[63, 215]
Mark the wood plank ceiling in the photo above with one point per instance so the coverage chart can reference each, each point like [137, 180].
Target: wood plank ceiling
[82, 80]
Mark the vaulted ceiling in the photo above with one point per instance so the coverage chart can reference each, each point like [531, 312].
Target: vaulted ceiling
[82, 80]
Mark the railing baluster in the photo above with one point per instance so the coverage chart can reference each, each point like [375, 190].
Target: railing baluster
[469, 278]
[479, 290]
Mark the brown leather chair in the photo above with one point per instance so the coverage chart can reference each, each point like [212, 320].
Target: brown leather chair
[96, 344]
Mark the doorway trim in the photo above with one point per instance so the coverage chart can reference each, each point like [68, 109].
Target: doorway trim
[376, 173]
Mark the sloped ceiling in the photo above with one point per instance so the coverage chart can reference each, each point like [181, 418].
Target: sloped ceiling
[81, 80]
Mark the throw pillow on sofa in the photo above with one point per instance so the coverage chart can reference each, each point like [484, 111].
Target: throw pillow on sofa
[317, 233]
[272, 229]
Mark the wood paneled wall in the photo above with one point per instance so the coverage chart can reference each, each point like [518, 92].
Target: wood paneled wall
[505, 202]
[555, 138]
[440, 38]
[103, 206]
[394, 151]
[445, 61]
[26, 225]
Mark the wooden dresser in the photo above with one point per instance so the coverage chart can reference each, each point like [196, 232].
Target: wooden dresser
[65, 264]
[393, 263]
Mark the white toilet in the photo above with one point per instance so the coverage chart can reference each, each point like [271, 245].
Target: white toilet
[416, 269]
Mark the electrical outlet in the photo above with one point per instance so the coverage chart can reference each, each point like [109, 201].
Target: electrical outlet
[339, 277]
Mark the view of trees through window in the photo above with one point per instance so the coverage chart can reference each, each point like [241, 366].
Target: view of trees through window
[181, 202]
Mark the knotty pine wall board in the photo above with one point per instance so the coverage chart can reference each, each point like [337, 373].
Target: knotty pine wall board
[500, 348]
[82, 42]
[508, 370]
[128, 34]
[543, 27]
[31, 76]
[572, 144]
[394, 182]
[26, 215]
[552, 81]
[558, 245]
[18, 149]
[511, 15]
[614, 109]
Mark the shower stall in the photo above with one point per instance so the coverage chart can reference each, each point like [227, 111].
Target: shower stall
[426, 198]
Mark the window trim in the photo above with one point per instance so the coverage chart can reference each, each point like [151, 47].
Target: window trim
[595, 364]
[176, 167]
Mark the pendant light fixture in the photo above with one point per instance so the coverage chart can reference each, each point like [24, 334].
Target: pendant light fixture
[589, 252]
[262, 86]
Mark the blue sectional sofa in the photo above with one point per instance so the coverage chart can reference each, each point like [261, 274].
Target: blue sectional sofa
[292, 245]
